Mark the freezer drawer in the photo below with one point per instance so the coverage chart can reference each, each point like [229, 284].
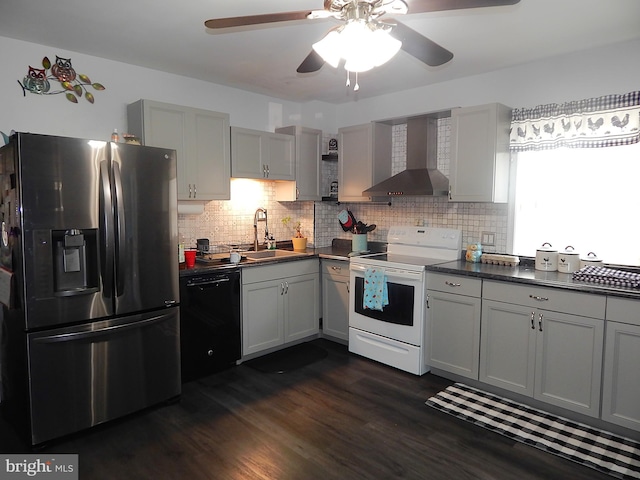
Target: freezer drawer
[85, 375]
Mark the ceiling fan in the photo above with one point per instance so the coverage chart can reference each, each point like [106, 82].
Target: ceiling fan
[375, 15]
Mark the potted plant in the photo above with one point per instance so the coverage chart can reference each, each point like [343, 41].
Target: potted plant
[299, 240]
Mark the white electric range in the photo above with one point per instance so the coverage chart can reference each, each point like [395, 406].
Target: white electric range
[395, 333]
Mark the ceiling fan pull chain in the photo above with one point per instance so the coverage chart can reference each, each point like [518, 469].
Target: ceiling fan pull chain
[356, 87]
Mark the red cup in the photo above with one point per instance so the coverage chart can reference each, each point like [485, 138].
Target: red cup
[190, 257]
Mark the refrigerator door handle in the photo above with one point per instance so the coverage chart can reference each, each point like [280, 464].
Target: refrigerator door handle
[122, 233]
[92, 334]
[107, 247]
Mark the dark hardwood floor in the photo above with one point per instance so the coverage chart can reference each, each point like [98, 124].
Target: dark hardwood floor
[344, 417]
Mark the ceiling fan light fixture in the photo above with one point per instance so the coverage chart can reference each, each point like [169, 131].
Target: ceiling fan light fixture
[363, 45]
[385, 46]
[329, 48]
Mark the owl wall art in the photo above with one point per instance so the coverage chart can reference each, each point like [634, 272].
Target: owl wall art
[74, 86]
[36, 80]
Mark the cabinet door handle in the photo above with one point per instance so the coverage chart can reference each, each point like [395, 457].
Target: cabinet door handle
[533, 314]
[451, 284]
[281, 288]
[195, 192]
[540, 322]
[189, 190]
[267, 171]
[427, 300]
[297, 193]
[286, 287]
[540, 299]
[264, 170]
[336, 269]
[348, 288]
[450, 197]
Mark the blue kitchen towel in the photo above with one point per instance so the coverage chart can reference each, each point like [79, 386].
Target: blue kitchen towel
[376, 296]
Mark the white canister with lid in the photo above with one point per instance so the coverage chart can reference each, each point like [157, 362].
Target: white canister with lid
[546, 258]
[591, 259]
[569, 260]
[234, 256]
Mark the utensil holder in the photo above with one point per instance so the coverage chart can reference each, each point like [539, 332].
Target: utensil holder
[359, 242]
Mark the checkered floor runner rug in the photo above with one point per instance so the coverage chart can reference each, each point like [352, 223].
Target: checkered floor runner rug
[600, 450]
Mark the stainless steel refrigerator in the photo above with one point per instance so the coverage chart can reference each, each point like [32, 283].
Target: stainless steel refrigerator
[89, 282]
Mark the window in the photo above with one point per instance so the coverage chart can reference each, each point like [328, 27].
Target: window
[587, 198]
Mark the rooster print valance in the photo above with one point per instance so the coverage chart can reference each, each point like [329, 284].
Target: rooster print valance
[597, 122]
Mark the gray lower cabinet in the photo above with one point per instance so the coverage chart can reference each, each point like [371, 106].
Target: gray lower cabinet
[545, 343]
[280, 304]
[621, 385]
[453, 323]
[335, 299]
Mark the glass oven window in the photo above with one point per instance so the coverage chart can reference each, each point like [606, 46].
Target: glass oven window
[400, 308]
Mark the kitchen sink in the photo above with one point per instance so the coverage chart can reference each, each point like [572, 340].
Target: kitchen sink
[271, 254]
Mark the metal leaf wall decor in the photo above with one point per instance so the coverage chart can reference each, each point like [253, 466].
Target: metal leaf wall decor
[73, 85]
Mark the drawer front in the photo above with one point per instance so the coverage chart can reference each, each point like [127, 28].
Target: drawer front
[335, 268]
[623, 310]
[264, 273]
[458, 284]
[554, 299]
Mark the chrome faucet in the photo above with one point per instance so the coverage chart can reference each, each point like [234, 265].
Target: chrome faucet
[259, 216]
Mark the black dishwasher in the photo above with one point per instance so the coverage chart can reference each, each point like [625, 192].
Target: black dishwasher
[209, 322]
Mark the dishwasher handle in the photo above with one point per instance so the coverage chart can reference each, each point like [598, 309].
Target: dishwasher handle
[207, 283]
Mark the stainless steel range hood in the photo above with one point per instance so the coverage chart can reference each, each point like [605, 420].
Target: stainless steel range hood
[422, 176]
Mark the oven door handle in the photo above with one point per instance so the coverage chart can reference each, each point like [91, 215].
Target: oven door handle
[391, 273]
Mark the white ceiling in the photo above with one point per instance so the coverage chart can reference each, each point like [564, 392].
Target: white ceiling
[170, 36]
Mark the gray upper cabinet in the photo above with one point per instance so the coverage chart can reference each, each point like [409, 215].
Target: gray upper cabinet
[262, 155]
[545, 343]
[621, 384]
[364, 159]
[200, 139]
[308, 151]
[479, 169]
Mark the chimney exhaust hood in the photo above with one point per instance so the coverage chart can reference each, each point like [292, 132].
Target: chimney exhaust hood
[421, 176]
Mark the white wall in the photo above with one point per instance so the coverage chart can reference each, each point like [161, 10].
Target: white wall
[603, 71]
[53, 114]
[613, 69]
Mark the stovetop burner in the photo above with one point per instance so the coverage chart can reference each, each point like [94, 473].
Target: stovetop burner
[416, 247]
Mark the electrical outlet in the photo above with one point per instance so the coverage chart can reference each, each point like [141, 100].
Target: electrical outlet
[488, 238]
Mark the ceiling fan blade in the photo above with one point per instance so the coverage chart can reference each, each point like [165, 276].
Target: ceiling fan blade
[256, 19]
[421, 47]
[312, 63]
[422, 6]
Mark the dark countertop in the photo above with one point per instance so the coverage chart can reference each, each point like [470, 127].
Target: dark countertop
[225, 264]
[339, 250]
[525, 273]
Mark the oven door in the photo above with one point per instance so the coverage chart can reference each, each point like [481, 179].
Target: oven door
[403, 318]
